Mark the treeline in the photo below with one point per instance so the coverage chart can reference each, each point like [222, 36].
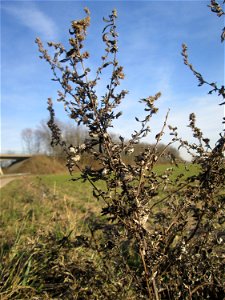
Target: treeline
[38, 141]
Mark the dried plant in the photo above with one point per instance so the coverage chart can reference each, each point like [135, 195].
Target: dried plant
[162, 235]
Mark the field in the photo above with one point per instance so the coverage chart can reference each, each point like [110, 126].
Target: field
[40, 257]
[52, 203]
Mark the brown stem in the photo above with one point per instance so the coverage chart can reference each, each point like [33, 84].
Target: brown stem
[146, 274]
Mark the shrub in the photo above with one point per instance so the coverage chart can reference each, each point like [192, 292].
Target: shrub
[160, 235]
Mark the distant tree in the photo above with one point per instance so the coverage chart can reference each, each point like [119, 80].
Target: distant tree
[27, 136]
[43, 138]
[38, 140]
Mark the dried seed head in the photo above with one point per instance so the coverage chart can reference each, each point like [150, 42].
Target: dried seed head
[72, 150]
[104, 171]
[82, 147]
[76, 158]
[114, 13]
[130, 150]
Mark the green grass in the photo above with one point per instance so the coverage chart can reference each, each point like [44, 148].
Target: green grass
[188, 169]
[44, 203]
[52, 203]
[36, 213]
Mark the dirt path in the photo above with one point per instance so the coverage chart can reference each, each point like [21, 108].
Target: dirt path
[5, 179]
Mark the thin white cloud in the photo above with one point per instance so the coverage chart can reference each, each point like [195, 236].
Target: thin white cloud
[32, 17]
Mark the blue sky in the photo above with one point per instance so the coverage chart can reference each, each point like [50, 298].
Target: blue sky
[150, 38]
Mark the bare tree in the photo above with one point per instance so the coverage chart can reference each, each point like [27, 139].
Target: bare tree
[38, 140]
[27, 136]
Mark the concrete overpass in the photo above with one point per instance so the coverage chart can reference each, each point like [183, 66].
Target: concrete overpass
[15, 157]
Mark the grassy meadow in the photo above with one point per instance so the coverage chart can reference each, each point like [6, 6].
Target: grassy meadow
[52, 203]
[40, 216]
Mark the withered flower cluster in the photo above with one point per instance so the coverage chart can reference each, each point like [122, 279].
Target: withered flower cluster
[161, 232]
[216, 8]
